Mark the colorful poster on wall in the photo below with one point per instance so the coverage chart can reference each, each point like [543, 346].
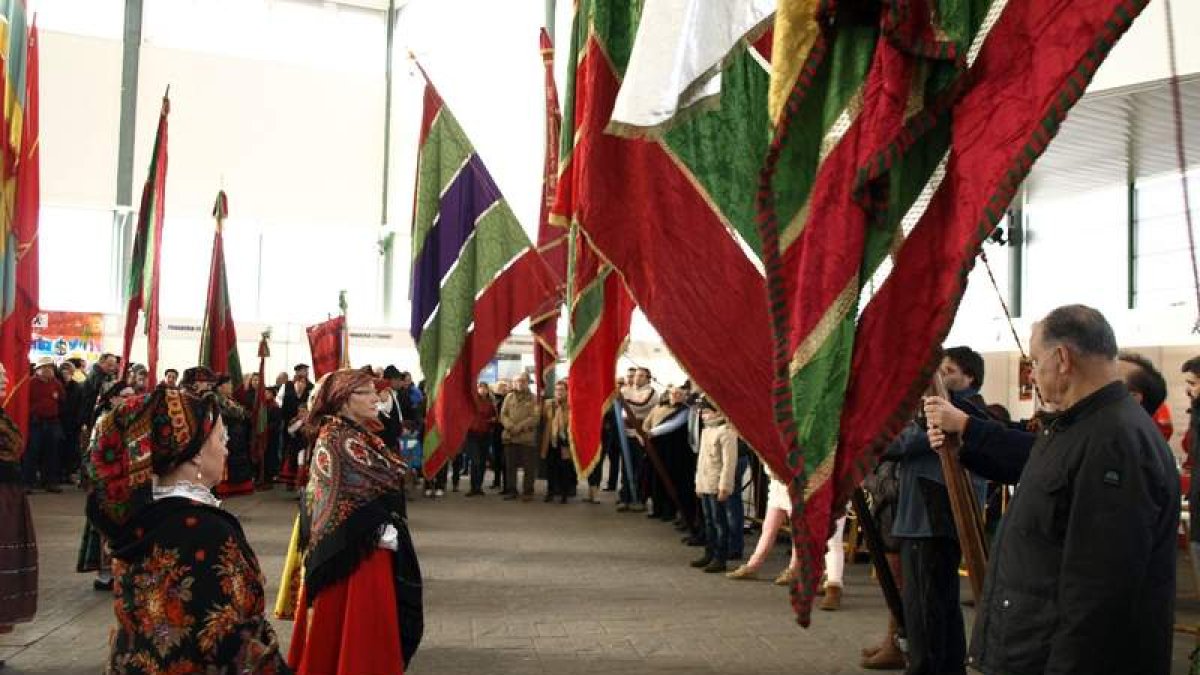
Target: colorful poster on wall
[65, 335]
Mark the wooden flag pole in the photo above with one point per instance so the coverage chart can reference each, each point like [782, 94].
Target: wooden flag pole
[652, 454]
[964, 504]
[887, 582]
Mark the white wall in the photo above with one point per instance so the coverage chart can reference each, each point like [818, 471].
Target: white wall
[1141, 55]
[80, 118]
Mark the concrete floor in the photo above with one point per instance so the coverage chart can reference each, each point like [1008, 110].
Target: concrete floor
[517, 588]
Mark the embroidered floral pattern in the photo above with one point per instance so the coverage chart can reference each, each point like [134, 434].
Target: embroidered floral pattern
[193, 604]
[157, 598]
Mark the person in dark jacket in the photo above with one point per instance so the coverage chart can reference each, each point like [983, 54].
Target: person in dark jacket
[70, 416]
[498, 464]
[1082, 573]
[924, 526]
[294, 405]
[391, 416]
[103, 373]
[274, 433]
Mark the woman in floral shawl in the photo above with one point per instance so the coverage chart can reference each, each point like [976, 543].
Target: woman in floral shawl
[360, 607]
[18, 547]
[188, 591]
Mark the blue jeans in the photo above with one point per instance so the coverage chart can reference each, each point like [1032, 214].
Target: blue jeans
[735, 509]
[631, 475]
[716, 527]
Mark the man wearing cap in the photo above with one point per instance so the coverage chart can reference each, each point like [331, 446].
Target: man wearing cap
[46, 395]
[297, 391]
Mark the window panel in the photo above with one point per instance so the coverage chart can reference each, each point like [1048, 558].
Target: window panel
[1075, 252]
[1163, 269]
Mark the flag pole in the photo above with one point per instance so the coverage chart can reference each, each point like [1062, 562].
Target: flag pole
[963, 503]
[344, 340]
[261, 438]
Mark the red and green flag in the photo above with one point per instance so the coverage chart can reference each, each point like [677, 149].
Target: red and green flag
[901, 134]
[476, 275]
[665, 211]
[21, 189]
[142, 291]
[552, 237]
[218, 337]
[328, 343]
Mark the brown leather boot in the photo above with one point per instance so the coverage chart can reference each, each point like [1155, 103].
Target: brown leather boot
[887, 656]
[833, 598]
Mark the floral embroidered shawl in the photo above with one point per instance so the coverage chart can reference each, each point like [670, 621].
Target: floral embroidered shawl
[355, 486]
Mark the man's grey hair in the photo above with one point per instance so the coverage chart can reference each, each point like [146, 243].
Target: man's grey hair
[1082, 328]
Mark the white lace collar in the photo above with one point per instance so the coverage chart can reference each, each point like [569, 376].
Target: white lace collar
[187, 490]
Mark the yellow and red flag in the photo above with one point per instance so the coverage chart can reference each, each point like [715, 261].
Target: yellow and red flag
[20, 206]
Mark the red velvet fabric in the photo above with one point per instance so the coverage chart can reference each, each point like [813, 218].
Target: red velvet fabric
[352, 627]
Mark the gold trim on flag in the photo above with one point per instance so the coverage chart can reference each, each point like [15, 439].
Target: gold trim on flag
[838, 309]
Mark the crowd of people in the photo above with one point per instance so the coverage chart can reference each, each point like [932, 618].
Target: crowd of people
[1081, 572]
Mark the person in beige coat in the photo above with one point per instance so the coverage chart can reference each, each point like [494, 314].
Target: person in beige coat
[520, 416]
[556, 446]
[714, 483]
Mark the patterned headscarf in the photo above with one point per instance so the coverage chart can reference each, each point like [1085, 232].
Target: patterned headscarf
[331, 395]
[143, 436]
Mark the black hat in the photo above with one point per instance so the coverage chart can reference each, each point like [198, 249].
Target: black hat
[391, 373]
[300, 366]
[196, 375]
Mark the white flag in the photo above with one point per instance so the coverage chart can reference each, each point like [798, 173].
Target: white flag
[677, 56]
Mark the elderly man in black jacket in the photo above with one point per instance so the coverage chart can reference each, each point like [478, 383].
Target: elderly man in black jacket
[1082, 573]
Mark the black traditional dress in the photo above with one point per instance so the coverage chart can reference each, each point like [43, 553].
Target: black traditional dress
[189, 595]
[18, 546]
[239, 464]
